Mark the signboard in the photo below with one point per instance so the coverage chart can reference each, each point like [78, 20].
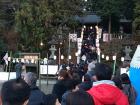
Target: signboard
[73, 37]
[105, 37]
[29, 56]
[99, 32]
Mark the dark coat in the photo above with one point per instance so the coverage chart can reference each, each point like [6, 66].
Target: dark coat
[63, 102]
[36, 96]
[85, 85]
[59, 89]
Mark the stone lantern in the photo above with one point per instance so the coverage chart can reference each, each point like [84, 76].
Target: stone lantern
[52, 50]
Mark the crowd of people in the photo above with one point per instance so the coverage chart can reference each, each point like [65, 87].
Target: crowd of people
[74, 86]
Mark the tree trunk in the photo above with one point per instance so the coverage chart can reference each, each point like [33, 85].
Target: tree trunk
[109, 28]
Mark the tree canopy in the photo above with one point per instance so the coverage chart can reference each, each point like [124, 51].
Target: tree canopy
[30, 22]
[113, 9]
[35, 19]
[106, 8]
[137, 15]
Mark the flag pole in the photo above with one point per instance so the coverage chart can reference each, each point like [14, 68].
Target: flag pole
[114, 65]
[9, 65]
[47, 70]
[38, 67]
[6, 67]
[69, 51]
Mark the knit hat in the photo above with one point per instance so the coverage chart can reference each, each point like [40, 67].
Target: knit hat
[30, 78]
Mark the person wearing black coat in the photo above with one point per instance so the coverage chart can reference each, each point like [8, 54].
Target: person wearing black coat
[60, 86]
[36, 95]
[59, 89]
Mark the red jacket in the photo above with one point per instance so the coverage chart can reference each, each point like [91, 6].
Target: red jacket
[106, 94]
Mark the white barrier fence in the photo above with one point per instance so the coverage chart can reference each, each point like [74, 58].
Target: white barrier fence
[51, 69]
[4, 76]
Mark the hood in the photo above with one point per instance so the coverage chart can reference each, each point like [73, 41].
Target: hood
[106, 94]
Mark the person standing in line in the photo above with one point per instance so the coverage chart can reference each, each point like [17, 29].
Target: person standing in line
[104, 91]
[15, 92]
[36, 96]
[128, 89]
[60, 87]
[18, 68]
[72, 86]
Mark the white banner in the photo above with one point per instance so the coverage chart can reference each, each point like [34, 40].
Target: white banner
[6, 58]
[100, 32]
[73, 37]
[105, 37]
[52, 69]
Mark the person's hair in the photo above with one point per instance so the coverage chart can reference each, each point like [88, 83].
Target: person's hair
[15, 92]
[50, 99]
[79, 98]
[125, 78]
[64, 74]
[71, 84]
[103, 71]
[30, 78]
[87, 78]
[117, 82]
[76, 77]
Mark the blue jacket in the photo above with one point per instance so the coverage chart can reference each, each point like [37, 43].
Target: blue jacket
[36, 96]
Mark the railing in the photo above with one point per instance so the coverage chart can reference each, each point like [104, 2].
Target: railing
[120, 36]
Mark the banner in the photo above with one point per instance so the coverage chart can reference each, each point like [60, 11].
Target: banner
[105, 37]
[100, 32]
[5, 58]
[73, 37]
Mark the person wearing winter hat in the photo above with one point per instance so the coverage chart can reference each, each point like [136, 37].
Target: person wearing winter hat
[36, 96]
